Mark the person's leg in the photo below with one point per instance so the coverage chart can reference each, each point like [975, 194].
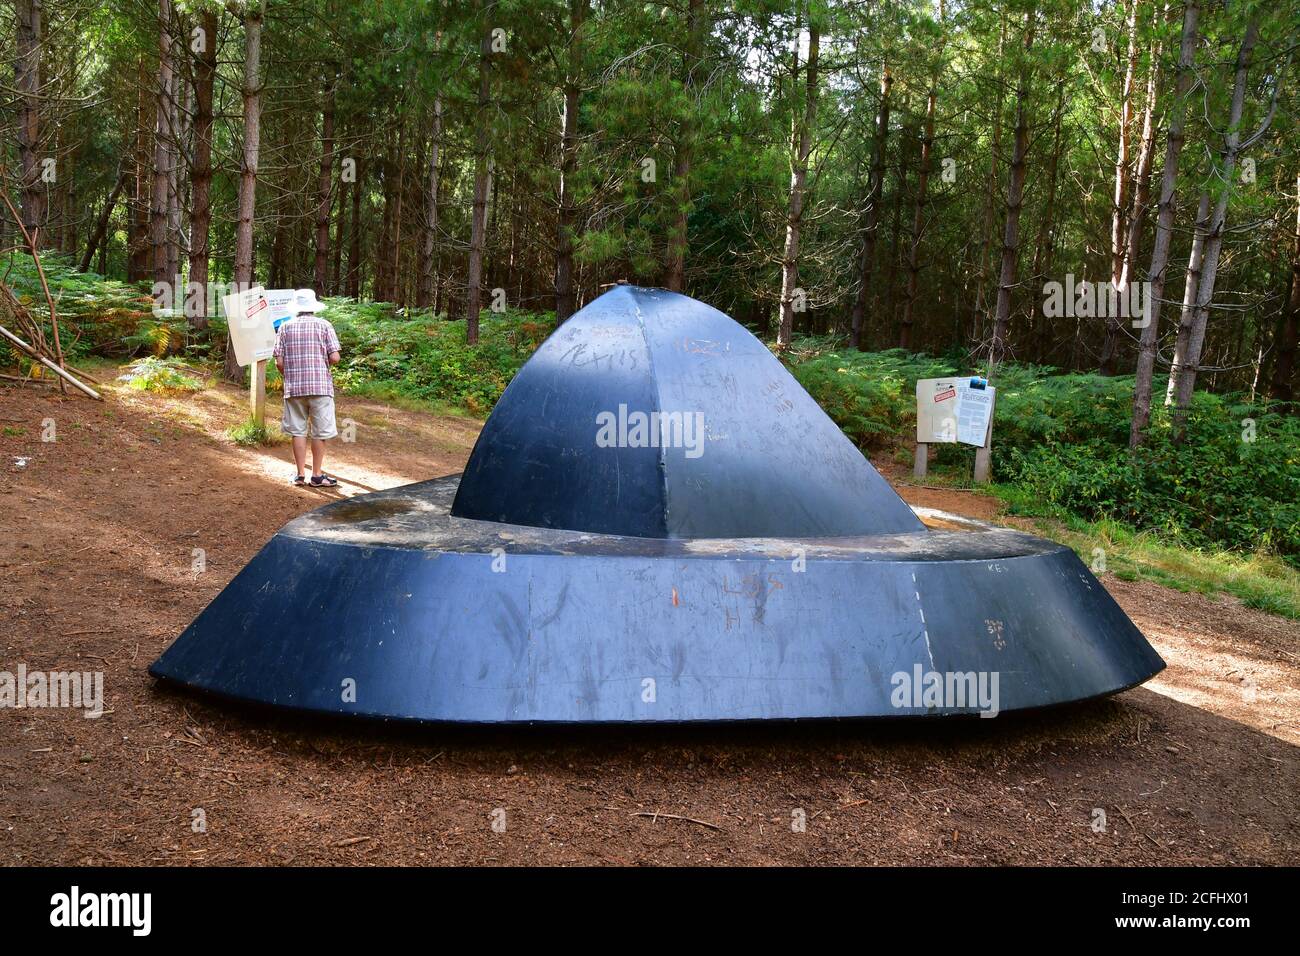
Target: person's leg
[293, 422]
[323, 428]
[300, 453]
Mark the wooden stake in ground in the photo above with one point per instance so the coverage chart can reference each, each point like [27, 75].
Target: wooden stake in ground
[984, 454]
[257, 393]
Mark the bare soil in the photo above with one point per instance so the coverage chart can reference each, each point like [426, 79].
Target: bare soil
[98, 531]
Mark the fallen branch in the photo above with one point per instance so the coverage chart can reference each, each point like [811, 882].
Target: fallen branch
[28, 381]
[40, 272]
[48, 364]
[672, 816]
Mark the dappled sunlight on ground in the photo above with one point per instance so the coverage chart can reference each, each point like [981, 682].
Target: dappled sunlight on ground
[392, 446]
[1236, 664]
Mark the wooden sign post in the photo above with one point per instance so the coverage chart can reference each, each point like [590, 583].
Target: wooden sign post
[257, 392]
[252, 332]
[951, 410]
[984, 454]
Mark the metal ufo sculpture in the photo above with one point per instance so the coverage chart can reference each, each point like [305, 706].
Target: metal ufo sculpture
[656, 524]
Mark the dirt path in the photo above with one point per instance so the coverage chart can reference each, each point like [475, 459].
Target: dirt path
[98, 532]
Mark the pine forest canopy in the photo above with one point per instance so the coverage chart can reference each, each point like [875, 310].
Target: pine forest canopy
[1098, 186]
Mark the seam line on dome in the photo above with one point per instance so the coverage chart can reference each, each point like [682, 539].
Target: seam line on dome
[659, 406]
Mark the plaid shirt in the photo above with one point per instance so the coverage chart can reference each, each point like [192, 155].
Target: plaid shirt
[303, 348]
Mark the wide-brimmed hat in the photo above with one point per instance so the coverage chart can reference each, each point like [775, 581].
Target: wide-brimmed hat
[304, 300]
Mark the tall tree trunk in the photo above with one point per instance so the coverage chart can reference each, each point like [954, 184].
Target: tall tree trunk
[875, 187]
[178, 122]
[978, 302]
[354, 252]
[1146, 360]
[798, 175]
[918, 219]
[1191, 328]
[1187, 315]
[205, 70]
[907, 135]
[397, 286]
[276, 274]
[428, 242]
[27, 81]
[383, 262]
[1137, 214]
[1288, 330]
[105, 215]
[675, 266]
[1015, 200]
[564, 294]
[64, 190]
[512, 243]
[139, 262]
[1045, 246]
[340, 221]
[482, 184]
[1141, 178]
[325, 185]
[160, 211]
[1119, 207]
[1191, 283]
[491, 241]
[246, 208]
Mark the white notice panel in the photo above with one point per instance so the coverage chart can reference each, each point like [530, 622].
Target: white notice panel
[950, 410]
[936, 410]
[280, 304]
[974, 410]
[249, 317]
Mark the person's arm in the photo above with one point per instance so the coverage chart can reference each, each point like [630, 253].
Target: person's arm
[335, 350]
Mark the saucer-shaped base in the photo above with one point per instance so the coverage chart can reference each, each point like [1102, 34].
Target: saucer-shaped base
[385, 606]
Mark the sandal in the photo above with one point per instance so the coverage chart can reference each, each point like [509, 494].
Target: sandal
[299, 481]
[323, 481]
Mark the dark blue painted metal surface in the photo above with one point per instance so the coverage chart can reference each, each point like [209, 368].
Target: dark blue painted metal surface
[769, 462]
[726, 593]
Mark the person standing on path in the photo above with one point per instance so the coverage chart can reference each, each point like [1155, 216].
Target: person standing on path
[306, 349]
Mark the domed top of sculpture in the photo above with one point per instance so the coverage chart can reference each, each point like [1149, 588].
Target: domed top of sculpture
[653, 415]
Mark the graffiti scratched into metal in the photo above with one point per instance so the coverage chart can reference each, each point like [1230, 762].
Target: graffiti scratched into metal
[704, 347]
[581, 356]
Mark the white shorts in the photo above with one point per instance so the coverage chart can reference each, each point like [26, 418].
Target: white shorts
[302, 411]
